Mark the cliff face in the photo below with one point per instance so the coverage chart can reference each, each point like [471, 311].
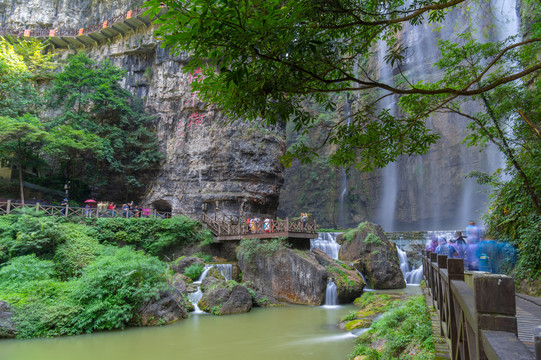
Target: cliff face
[209, 163]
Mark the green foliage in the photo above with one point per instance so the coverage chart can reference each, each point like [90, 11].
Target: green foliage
[194, 271]
[349, 235]
[206, 257]
[372, 239]
[93, 102]
[250, 248]
[155, 236]
[351, 316]
[28, 234]
[406, 328]
[114, 286]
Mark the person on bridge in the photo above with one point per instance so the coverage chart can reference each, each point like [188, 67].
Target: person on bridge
[443, 248]
[64, 205]
[266, 225]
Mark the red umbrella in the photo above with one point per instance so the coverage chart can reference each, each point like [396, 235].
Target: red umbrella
[90, 201]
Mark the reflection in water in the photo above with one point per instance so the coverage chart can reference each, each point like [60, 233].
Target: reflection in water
[293, 332]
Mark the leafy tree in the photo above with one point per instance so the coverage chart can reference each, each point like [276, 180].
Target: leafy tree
[93, 101]
[24, 138]
[266, 59]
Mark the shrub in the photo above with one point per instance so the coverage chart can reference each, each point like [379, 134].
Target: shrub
[194, 271]
[405, 326]
[114, 286]
[77, 251]
[248, 248]
[372, 239]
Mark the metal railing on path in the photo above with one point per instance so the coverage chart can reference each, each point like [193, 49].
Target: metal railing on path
[477, 311]
[223, 225]
[9, 207]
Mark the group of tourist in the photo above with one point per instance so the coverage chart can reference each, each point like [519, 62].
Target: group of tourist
[255, 225]
[478, 253]
[109, 209]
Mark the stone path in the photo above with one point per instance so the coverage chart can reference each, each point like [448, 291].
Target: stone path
[528, 318]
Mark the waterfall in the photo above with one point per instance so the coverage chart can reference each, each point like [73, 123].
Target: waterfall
[343, 203]
[331, 295]
[412, 277]
[326, 242]
[225, 269]
[389, 174]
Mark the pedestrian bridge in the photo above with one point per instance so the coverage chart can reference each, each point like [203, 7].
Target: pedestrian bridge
[91, 35]
[228, 228]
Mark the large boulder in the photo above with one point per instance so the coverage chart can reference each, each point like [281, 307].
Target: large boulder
[219, 299]
[285, 274]
[349, 283]
[180, 265]
[7, 327]
[167, 307]
[373, 255]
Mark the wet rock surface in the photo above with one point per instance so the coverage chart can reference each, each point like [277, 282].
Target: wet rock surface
[7, 327]
[286, 275]
[169, 306]
[373, 255]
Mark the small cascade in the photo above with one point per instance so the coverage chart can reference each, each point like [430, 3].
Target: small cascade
[326, 242]
[226, 270]
[412, 277]
[331, 295]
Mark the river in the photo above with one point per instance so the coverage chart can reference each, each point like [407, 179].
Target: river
[279, 333]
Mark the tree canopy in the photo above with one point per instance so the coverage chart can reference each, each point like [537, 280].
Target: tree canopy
[268, 59]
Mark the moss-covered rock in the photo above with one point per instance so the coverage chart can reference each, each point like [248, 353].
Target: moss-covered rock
[373, 255]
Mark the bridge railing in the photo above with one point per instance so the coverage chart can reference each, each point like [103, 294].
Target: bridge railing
[10, 207]
[478, 318]
[72, 32]
[222, 225]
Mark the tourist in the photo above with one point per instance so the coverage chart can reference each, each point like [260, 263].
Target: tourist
[248, 222]
[266, 225]
[473, 233]
[443, 248]
[460, 244]
[64, 205]
[125, 210]
[304, 217]
[112, 207]
[87, 210]
[432, 245]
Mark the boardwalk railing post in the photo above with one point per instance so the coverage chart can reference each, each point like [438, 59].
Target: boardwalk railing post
[455, 271]
[37, 207]
[287, 224]
[494, 298]
[8, 208]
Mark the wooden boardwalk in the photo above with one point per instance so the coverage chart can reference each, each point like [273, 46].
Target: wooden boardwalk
[91, 35]
[227, 228]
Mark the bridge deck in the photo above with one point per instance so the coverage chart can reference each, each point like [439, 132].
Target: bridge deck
[288, 234]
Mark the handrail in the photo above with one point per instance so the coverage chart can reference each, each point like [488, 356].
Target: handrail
[8, 207]
[223, 225]
[72, 32]
[477, 322]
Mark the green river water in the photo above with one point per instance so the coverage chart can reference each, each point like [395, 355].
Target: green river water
[280, 333]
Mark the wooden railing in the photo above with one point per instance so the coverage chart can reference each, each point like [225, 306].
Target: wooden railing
[477, 320]
[72, 32]
[9, 207]
[235, 226]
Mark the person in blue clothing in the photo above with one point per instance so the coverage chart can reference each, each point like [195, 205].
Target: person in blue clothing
[64, 205]
[443, 248]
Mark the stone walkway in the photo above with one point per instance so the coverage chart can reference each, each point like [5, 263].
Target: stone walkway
[528, 318]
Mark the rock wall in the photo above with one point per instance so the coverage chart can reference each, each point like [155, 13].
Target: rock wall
[209, 164]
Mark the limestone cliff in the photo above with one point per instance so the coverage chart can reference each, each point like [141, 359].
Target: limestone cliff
[211, 162]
